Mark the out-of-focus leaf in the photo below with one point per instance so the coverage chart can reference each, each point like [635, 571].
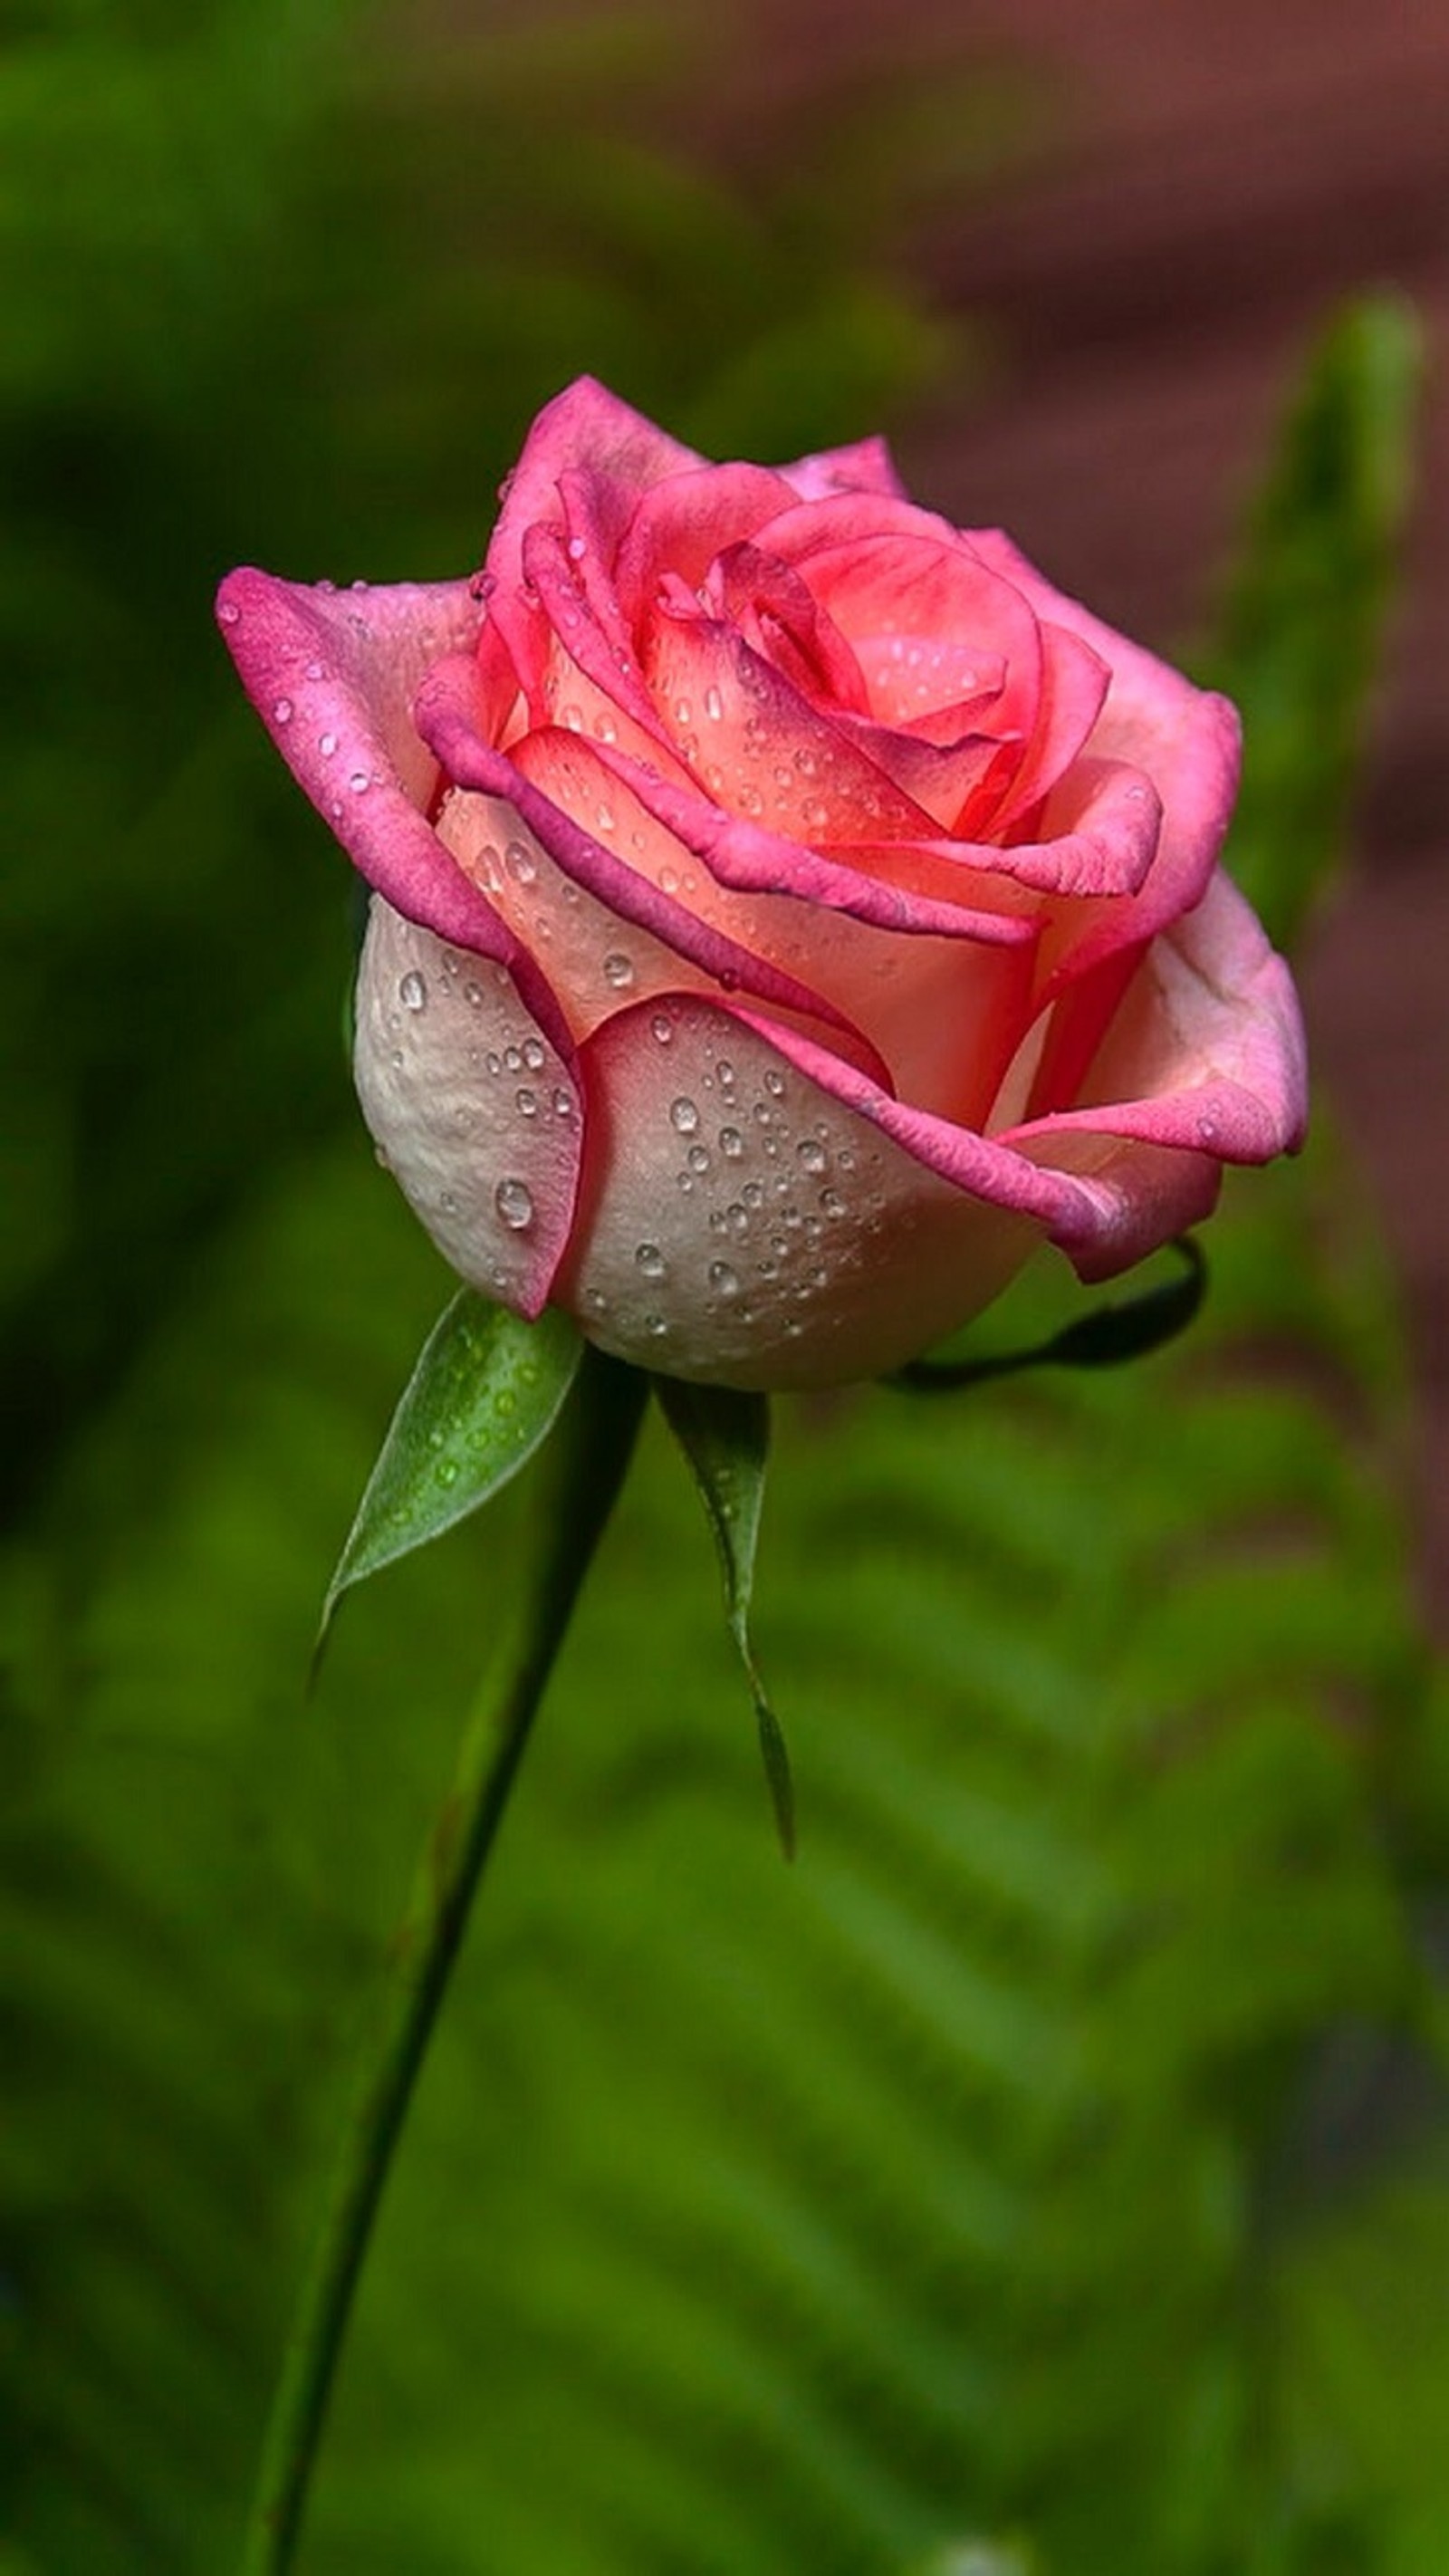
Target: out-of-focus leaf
[1299, 631]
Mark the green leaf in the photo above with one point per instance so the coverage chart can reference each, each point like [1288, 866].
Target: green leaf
[725, 1436]
[1298, 636]
[486, 1390]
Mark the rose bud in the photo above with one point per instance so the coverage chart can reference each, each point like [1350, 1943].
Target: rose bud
[788, 909]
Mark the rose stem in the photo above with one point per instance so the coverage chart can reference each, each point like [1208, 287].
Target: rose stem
[593, 1446]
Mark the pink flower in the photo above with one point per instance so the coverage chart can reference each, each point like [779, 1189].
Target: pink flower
[788, 909]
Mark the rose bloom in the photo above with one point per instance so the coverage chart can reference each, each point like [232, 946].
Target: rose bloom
[788, 909]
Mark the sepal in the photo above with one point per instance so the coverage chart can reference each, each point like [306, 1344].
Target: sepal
[725, 1437]
[486, 1391]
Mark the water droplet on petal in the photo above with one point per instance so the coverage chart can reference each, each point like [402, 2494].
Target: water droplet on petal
[683, 1116]
[713, 705]
[412, 992]
[282, 711]
[327, 745]
[314, 670]
[662, 1027]
[731, 1143]
[650, 1260]
[514, 1202]
[359, 782]
[618, 970]
[724, 1279]
[520, 862]
[527, 1103]
[812, 1154]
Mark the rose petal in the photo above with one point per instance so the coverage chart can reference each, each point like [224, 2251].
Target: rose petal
[1074, 685]
[331, 674]
[682, 525]
[886, 570]
[1185, 739]
[868, 466]
[777, 1240]
[444, 715]
[762, 748]
[477, 1115]
[1206, 1049]
[942, 1023]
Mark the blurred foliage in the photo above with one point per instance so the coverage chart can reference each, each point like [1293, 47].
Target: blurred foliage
[1301, 619]
[1046, 2177]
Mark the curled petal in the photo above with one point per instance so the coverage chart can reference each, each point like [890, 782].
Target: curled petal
[332, 673]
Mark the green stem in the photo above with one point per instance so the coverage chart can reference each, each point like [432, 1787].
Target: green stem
[594, 1442]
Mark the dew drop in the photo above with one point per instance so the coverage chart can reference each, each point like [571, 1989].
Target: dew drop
[831, 1203]
[282, 711]
[447, 1471]
[650, 1260]
[314, 670]
[682, 711]
[359, 782]
[527, 1103]
[578, 548]
[520, 862]
[563, 1102]
[412, 992]
[1207, 1129]
[731, 1143]
[606, 729]
[752, 1194]
[662, 1028]
[683, 1116]
[513, 1058]
[573, 717]
[618, 970]
[724, 1279]
[775, 1083]
[811, 1153]
[713, 705]
[473, 992]
[533, 1054]
[514, 1202]
[327, 745]
[698, 1158]
[229, 613]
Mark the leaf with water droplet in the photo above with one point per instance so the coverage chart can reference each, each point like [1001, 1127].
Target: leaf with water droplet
[725, 1436]
[485, 1392]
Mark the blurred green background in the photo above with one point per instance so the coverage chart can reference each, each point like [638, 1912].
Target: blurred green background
[1049, 2173]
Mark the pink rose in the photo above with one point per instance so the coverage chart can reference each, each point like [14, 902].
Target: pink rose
[788, 908]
